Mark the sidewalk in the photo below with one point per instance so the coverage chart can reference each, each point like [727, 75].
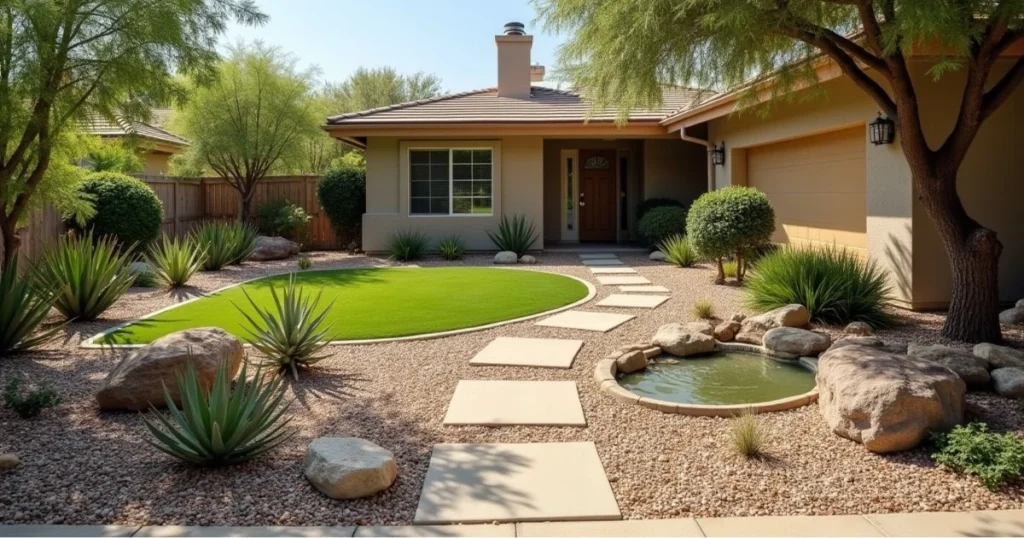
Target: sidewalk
[988, 523]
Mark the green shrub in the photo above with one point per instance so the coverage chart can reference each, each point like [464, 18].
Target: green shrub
[677, 250]
[515, 235]
[145, 279]
[113, 156]
[243, 237]
[660, 223]
[218, 241]
[223, 425]
[282, 218]
[703, 309]
[729, 268]
[748, 435]
[23, 307]
[305, 263]
[290, 333]
[342, 195]
[451, 247]
[643, 207]
[834, 284]
[28, 404]
[174, 261]
[87, 275]
[407, 245]
[730, 221]
[126, 209]
[995, 458]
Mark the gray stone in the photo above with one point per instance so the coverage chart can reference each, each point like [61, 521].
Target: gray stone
[1008, 382]
[973, 370]
[797, 342]
[139, 267]
[869, 341]
[506, 257]
[754, 327]
[999, 356]
[1012, 316]
[348, 468]
[273, 248]
[676, 339]
[726, 331]
[1020, 303]
[9, 461]
[884, 401]
[658, 256]
[527, 259]
[631, 361]
[859, 328]
[138, 381]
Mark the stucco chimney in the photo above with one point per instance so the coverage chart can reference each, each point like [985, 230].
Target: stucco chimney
[514, 61]
[536, 73]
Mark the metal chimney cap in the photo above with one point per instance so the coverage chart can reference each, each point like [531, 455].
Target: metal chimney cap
[515, 28]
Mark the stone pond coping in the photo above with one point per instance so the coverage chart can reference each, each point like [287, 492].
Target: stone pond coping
[606, 370]
[982, 523]
[91, 342]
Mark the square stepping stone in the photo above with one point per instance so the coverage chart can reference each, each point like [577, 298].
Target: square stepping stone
[515, 403]
[598, 256]
[537, 352]
[622, 300]
[612, 270]
[483, 483]
[644, 289]
[590, 263]
[622, 280]
[587, 321]
[507, 530]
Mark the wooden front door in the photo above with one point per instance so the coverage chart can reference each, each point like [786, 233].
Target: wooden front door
[597, 198]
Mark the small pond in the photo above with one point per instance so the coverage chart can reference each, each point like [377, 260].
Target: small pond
[721, 378]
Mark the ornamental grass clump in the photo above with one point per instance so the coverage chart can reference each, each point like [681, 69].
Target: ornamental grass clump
[515, 235]
[703, 309]
[86, 275]
[734, 221]
[677, 250]
[747, 435]
[174, 261]
[407, 245]
[217, 240]
[451, 248]
[835, 285]
[243, 241]
[23, 307]
[222, 425]
[995, 458]
[291, 333]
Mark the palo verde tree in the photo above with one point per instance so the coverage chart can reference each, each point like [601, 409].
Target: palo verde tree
[253, 118]
[61, 60]
[622, 51]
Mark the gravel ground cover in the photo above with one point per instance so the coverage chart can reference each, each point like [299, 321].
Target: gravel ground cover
[85, 467]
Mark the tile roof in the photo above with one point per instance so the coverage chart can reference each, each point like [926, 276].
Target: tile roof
[546, 105]
[101, 126]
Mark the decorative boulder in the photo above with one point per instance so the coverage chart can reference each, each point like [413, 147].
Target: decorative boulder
[973, 370]
[1008, 382]
[139, 267]
[658, 256]
[859, 328]
[701, 327]
[1020, 303]
[795, 342]
[726, 331]
[9, 461]
[869, 341]
[1012, 316]
[887, 402]
[273, 248]
[754, 327]
[676, 339]
[999, 356]
[348, 468]
[527, 259]
[631, 361]
[506, 256]
[137, 382]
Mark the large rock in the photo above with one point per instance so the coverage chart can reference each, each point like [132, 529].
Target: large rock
[1008, 382]
[137, 382]
[702, 327]
[527, 259]
[754, 327]
[676, 339]
[999, 356]
[273, 248]
[726, 331]
[796, 342]
[869, 341]
[631, 361]
[1020, 303]
[506, 256]
[973, 370]
[658, 256]
[887, 402]
[1012, 316]
[348, 468]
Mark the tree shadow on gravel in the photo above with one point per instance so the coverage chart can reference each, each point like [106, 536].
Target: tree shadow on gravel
[184, 293]
[322, 384]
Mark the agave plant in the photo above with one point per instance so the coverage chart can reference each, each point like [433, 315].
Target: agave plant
[243, 241]
[23, 306]
[222, 425]
[174, 261]
[407, 245]
[87, 275]
[291, 333]
[514, 235]
[677, 250]
[218, 241]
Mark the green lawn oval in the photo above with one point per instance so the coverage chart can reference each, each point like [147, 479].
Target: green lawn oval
[378, 303]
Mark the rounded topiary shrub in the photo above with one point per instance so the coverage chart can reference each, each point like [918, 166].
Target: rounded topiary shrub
[126, 209]
[730, 222]
[661, 223]
[342, 194]
[643, 207]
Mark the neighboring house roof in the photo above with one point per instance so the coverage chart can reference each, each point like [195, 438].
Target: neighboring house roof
[101, 126]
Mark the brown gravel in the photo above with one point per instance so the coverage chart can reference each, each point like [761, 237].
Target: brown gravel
[86, 467]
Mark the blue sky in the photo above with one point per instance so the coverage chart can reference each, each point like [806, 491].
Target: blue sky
[453, 39]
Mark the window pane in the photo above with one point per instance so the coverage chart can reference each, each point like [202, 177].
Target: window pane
[462, 171]
[462, 206]
[439, 206]
[419, 188]
[462, 188]
[482, 156]
[482, 188]
[419, 172]
[482, 205]
[419, 206]
[481, 171]
[463, 156]
[439, 171]
[439, 188]
[419, 157]
[439, 156]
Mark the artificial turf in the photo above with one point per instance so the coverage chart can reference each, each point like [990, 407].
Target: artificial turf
[377, 303]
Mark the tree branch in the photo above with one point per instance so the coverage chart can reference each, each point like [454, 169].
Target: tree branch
[1000, 91]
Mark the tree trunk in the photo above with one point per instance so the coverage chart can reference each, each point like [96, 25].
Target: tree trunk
[720, 279]
[245, 206]
[11, 241]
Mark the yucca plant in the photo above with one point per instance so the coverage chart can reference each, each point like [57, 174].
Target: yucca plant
[222, 425]
[23, 307]
[451, 247]
[86, 275]
[217, 240]
[407, 245]
[243, 241]
[174, 261]
[291, 333]
[677, 250]
[516, 235]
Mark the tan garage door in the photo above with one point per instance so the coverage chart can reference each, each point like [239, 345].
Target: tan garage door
[817, 185]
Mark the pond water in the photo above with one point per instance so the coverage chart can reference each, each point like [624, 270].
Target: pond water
[720, 379]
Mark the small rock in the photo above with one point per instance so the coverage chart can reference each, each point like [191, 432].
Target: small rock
[676, 339]
[527, 259]
[973, 370]
[662, 458]
[348, 467]
[1012, 316]
[630, 362]
[796, 342]
[999, 356]
[139, 267]
[737, 317]
[859, 328]
[1008, 382]
[9, 461]
[506, 256]
[726, 331]
[754, 327]
[658, 256]
[273, 248]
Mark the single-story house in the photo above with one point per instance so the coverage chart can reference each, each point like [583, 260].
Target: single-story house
[457, 163]
[153, 144]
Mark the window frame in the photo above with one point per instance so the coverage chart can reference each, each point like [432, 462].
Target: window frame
[451, 181]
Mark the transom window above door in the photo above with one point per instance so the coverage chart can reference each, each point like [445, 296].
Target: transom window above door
[451, 181]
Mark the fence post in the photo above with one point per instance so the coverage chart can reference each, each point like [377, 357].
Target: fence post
[174, 195]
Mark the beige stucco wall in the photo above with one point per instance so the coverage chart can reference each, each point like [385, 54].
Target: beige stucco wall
[517, 187]
[675, 169]
[154, 163]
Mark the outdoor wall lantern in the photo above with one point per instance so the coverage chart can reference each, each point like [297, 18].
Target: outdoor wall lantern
[718, 154]
[882, 130]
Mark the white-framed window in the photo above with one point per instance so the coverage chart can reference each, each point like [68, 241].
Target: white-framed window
[451, 181]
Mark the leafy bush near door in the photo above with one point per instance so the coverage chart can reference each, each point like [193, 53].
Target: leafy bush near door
[643, 207]
[730, 222]
[87, 275]
[282, 218]
[23, 307]
[660, 223]
[515, 235]
[342, 195]
[126, 208]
